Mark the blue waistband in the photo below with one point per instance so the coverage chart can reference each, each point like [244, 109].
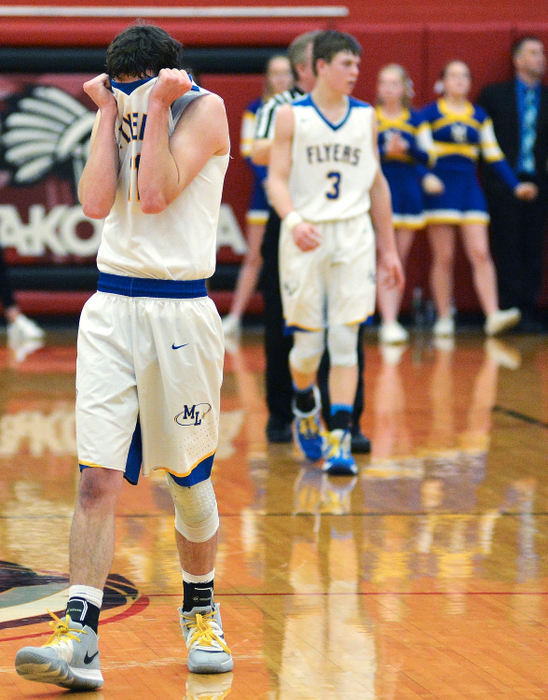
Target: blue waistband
[149, 287]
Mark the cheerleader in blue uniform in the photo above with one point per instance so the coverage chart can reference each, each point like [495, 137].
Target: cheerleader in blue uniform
[462, 132]
[406, 149]
[278, 77]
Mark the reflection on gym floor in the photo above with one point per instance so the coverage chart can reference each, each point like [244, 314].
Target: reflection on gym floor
[423, 576]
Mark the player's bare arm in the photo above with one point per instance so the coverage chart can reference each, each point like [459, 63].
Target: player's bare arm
[169, 164]
[260, 151]
[305, 235]
[279, 167]
[97, 186]
[390, 268]
[390, 271]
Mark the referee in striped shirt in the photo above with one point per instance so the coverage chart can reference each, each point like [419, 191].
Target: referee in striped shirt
[279, 388]
[264, 121]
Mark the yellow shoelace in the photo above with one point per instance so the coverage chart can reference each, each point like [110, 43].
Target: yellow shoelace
[61, 630]
[333, 445]
[204, 634]
[309, 426]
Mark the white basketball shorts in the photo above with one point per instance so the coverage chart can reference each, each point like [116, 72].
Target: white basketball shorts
[148, 380]
[335, 282]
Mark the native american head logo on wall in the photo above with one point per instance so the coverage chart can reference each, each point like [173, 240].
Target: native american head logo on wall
[45, 131]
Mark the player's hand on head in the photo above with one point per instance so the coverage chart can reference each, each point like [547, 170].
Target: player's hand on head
[172, 83]
[306, 236]
[98, 89]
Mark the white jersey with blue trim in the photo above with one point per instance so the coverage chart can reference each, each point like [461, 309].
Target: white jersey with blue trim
[333, 165]
[178, 243]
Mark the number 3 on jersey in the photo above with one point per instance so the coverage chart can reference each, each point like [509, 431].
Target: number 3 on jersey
[335, 178]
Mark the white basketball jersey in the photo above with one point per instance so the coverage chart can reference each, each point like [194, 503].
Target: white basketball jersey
[178, 243]
[333, 165]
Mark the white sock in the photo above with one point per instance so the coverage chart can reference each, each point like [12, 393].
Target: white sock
[198, 578]
[92, 595]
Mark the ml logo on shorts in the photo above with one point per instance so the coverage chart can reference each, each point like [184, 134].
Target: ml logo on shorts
[192, 415]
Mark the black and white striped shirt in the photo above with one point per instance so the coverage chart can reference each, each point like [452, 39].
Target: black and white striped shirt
[264, 123]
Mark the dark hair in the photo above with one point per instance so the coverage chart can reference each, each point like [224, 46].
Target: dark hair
[297, 50]
[518, 43]
[330, 42]
[142, 50]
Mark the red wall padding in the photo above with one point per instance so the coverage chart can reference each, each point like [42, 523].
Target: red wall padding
[423, 37]
[46, 31]
[423, 51]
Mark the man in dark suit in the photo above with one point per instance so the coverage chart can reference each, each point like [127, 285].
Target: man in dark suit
[519, 110]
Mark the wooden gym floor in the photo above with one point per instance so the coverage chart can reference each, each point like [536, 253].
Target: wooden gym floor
[426, 576]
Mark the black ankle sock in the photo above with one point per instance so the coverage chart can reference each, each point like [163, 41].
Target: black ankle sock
[305, 401]
[80, 610]
[340, 420]
[197, 595]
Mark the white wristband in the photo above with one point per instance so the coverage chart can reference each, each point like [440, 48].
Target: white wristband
[292, 219]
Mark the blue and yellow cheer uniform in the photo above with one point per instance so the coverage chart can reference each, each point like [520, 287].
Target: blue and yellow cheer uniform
[404, 173]
[459, 140]
[257, 212]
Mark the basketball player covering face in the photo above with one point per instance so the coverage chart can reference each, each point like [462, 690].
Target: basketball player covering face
[150, 350]
[326, 185]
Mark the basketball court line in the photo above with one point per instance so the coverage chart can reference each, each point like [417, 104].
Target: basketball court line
[520, 416]
[135, 608]
[325, 594]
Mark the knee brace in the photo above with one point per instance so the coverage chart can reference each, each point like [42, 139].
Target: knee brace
[196, 514]
[307, 351]
[342, 343]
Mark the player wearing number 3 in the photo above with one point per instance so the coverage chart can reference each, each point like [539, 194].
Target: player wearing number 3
[327, 187]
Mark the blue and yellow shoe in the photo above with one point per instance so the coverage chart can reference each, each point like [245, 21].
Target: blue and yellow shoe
[338, 456]
[308, 430]
[203, 632]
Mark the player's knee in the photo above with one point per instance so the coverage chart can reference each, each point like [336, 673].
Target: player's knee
[196, 514]
[306, 352]
[99, 488]
[342, 343]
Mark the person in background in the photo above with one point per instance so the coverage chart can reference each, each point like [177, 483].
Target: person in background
[278, 343]
[326, 185]
[462, 132]
[406, 149]
[519, 111]
[278, 77]
[20, 327]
